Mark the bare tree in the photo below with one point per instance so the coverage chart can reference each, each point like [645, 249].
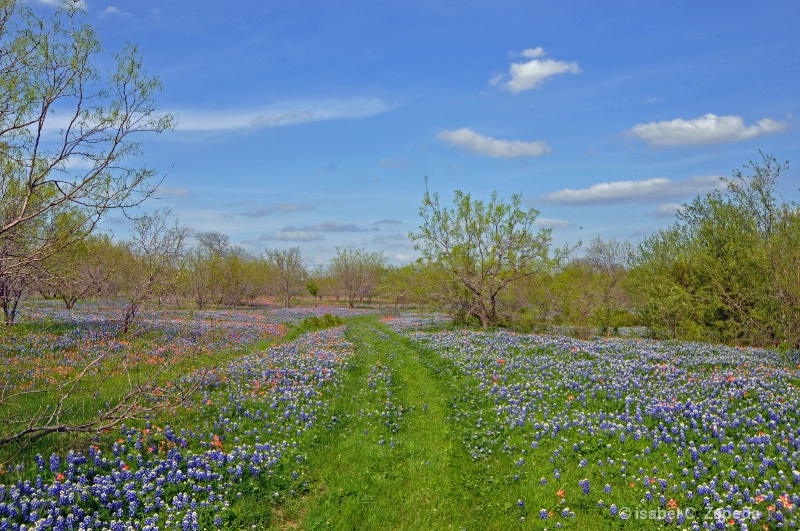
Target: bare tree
[287, 273]
[156, 248]
[356, 272]
[608, 261]
[82, 270]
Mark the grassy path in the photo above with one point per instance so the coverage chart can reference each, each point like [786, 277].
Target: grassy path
[390, 461]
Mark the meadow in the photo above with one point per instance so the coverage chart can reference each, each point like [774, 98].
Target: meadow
[398, 423]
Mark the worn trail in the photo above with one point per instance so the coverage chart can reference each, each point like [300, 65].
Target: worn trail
[390, 460]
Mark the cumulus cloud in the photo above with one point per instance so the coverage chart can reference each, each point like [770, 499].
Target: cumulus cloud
[531, 74]
[551, 222]
[667, 210]
[473, 142]
[656, 189]
[287, 113]
[705, 130]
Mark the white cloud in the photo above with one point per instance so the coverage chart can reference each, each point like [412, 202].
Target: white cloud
[533, 53]
[287, 113]
[551, 222]
[77, 162]
[531, 74]
[112, 10]
[476, 143]
[705, 130]
[655, 189]
[667, 210]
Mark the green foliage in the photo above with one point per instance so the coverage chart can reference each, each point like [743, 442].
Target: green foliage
[484, 246]
[312, 324]
[67, 178]
[313, 288]
[70, 128]
[728, 269]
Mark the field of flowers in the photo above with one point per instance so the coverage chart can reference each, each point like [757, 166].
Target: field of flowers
[641, 433]
[241, 432]
[428, 428]
[46, 357]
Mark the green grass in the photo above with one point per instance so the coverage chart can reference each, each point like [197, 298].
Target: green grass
[311, 324]
[421, 477]
[429, 479]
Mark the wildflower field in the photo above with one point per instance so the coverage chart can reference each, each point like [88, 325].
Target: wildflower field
[400, 423]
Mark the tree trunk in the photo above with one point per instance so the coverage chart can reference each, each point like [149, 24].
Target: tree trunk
[69, 302]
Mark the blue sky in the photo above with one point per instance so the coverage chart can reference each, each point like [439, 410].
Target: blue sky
[314, 123]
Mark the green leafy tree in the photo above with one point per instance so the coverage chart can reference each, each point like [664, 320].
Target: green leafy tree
[203, 276]
[313, 290]
[69, 134]
[485, 246]
[727, 270]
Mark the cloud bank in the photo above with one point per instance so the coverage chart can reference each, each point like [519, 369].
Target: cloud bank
[473, 142]
[708, 129]
[314, 232]
[551, 222]
[268, 210]
[655, 189]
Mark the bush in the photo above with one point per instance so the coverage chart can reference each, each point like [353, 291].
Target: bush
[312, 324]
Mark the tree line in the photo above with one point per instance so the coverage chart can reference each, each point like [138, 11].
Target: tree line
[165, 263]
